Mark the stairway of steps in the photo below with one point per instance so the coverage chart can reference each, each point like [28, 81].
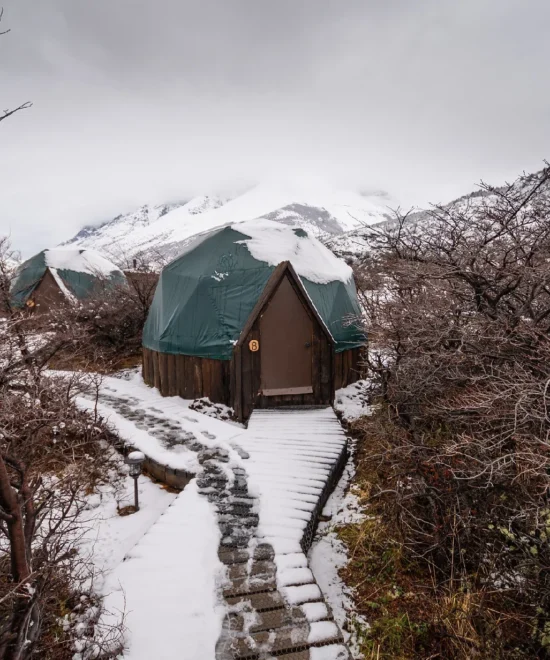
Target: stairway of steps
[262, 623]
[267, 619]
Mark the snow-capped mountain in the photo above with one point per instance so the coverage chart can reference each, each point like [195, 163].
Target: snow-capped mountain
[160, 232]
[113, 231]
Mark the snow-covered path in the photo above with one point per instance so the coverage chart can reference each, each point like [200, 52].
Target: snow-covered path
[166, 585]
[294, 458]
[293, 455]
[252, 508]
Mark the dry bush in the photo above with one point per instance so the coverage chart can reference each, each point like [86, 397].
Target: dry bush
[458, 315]
[110, 323]
[52, 456]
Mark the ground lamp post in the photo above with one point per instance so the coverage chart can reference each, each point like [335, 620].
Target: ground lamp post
[135, 460]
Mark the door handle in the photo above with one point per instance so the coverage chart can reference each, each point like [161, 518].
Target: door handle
[308, 344]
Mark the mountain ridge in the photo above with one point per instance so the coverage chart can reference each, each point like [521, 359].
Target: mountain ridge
[157, 233]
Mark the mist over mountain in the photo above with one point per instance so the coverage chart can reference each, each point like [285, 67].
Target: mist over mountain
[159, 232]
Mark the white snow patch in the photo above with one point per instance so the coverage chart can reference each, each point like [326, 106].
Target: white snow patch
[179, 457]
[273, 243]
[321, 631]
[79, 260]
[315, 611]
[61, 284]
[302, 594]
[110, 536]
[295, 560]
[330, 652]
[292, 576]
[209, 431]
[168, 585]
[351, 401]
[328, 555]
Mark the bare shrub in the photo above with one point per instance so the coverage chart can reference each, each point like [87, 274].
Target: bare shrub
[52, 456]
[111, 320]
[458, 315]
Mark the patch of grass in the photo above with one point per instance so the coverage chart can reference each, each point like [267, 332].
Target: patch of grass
[392, 637]
[385, 593]
[384, 583]
[371, 549]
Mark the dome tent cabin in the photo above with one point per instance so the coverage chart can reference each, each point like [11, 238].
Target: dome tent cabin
[60, 275]
[254, 314]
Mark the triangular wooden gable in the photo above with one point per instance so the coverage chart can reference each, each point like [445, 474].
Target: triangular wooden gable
[285, 268]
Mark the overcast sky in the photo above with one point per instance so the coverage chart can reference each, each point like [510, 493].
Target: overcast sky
[139, 102]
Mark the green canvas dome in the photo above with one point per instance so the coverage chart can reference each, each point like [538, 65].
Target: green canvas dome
[205, 296]
[75, 270]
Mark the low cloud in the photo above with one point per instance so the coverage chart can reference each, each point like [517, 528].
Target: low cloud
[148, 102]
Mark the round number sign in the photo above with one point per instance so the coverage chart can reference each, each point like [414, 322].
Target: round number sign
[254, 345]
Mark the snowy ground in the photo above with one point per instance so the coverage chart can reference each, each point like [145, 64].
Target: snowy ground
[207, 430]
[161, 566]
[158, 568]
[352, 401]
[168, 584]
[110, 536]
[328, 555]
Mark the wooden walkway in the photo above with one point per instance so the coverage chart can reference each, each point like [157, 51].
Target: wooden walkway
[293, 460]
[267, 506]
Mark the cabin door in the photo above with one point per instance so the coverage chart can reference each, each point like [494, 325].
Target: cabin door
[286, 333]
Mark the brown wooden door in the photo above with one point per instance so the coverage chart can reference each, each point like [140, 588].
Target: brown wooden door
[286, 333]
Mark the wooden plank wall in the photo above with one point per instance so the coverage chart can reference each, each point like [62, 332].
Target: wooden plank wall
[187, 376]
[250, 374]
[347, 367]
[222, 382]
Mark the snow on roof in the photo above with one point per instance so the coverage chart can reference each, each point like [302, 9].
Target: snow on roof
[273, 243]
[80, 261]
[61, 284]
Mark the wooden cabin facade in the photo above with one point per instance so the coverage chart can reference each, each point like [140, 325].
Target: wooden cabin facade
[284, 357]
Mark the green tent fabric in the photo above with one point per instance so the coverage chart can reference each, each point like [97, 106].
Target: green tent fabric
[76, 270]
[205, 296]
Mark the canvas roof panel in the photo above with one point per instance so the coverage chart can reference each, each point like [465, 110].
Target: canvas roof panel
[205, 296]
